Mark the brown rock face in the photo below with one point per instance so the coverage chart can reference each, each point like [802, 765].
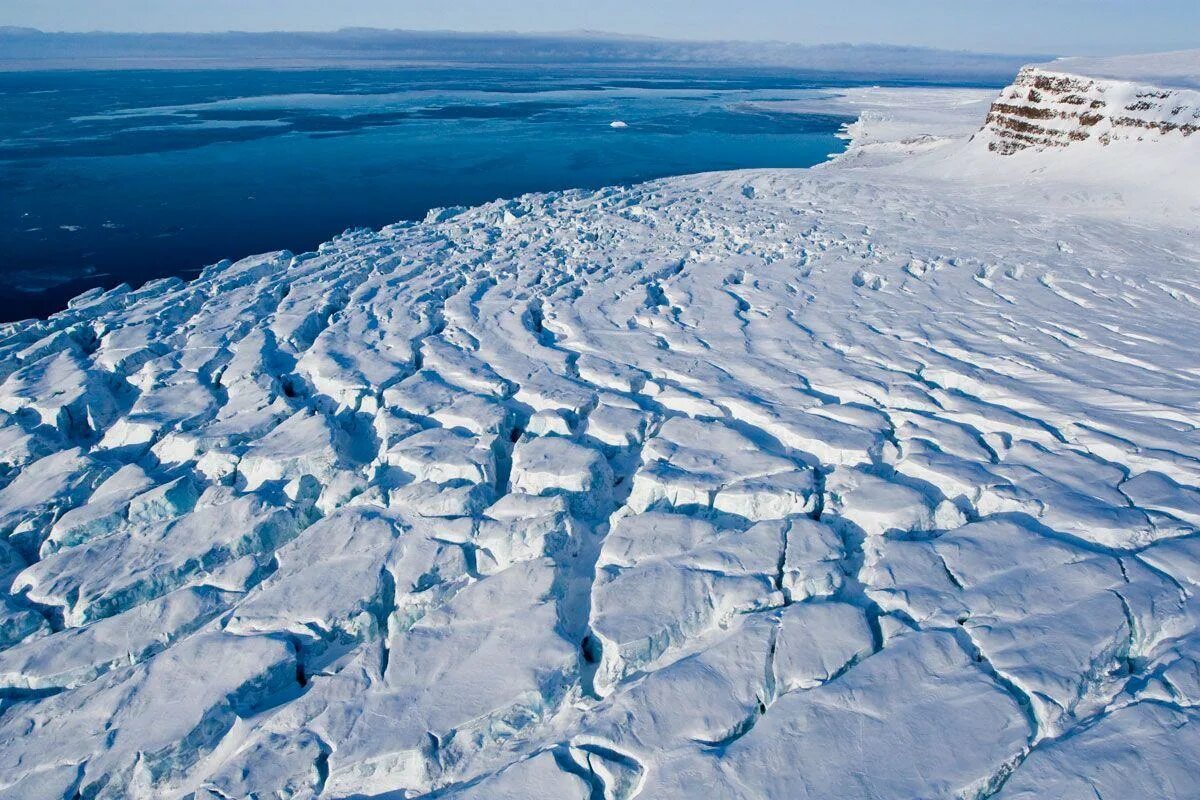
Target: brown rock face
[1044, 109]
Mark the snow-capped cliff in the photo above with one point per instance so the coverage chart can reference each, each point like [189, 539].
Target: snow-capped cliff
[877, 480]
[1061, 104]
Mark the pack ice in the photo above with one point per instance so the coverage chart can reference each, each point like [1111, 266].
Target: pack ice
[880, 479]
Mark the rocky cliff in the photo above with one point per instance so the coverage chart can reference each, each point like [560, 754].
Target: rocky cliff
[1044, 108]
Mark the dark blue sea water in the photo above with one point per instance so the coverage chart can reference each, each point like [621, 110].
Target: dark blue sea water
[118, 176]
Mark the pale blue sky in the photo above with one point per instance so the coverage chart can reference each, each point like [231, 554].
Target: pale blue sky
[1049, 26]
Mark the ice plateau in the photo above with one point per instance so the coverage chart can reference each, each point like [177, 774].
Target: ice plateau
[879, 479]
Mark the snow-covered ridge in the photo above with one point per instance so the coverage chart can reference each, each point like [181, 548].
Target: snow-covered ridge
[1046, 108]
[878, 480]
[1175, 70]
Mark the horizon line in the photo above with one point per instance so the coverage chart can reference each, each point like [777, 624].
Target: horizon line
[579, 34]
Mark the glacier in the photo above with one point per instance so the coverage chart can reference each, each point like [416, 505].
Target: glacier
[879, 479]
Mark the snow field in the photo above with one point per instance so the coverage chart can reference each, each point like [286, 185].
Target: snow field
[856, 481]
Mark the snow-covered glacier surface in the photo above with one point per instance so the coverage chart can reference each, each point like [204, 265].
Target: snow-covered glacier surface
[875, 480]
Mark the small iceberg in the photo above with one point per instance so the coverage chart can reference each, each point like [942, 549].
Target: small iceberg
[618, 124]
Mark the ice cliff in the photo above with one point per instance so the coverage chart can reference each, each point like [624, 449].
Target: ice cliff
[875, 480]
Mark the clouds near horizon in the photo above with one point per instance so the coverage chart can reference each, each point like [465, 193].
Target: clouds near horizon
[1015, 26]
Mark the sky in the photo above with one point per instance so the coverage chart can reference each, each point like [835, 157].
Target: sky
[1062, 27]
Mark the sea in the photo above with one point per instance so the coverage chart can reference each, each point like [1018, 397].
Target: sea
[123, 176]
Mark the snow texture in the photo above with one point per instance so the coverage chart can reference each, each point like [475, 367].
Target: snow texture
[880, 479]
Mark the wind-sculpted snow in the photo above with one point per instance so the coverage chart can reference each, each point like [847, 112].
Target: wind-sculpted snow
[851, 482]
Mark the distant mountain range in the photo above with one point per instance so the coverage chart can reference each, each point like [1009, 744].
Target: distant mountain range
[30, 49]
